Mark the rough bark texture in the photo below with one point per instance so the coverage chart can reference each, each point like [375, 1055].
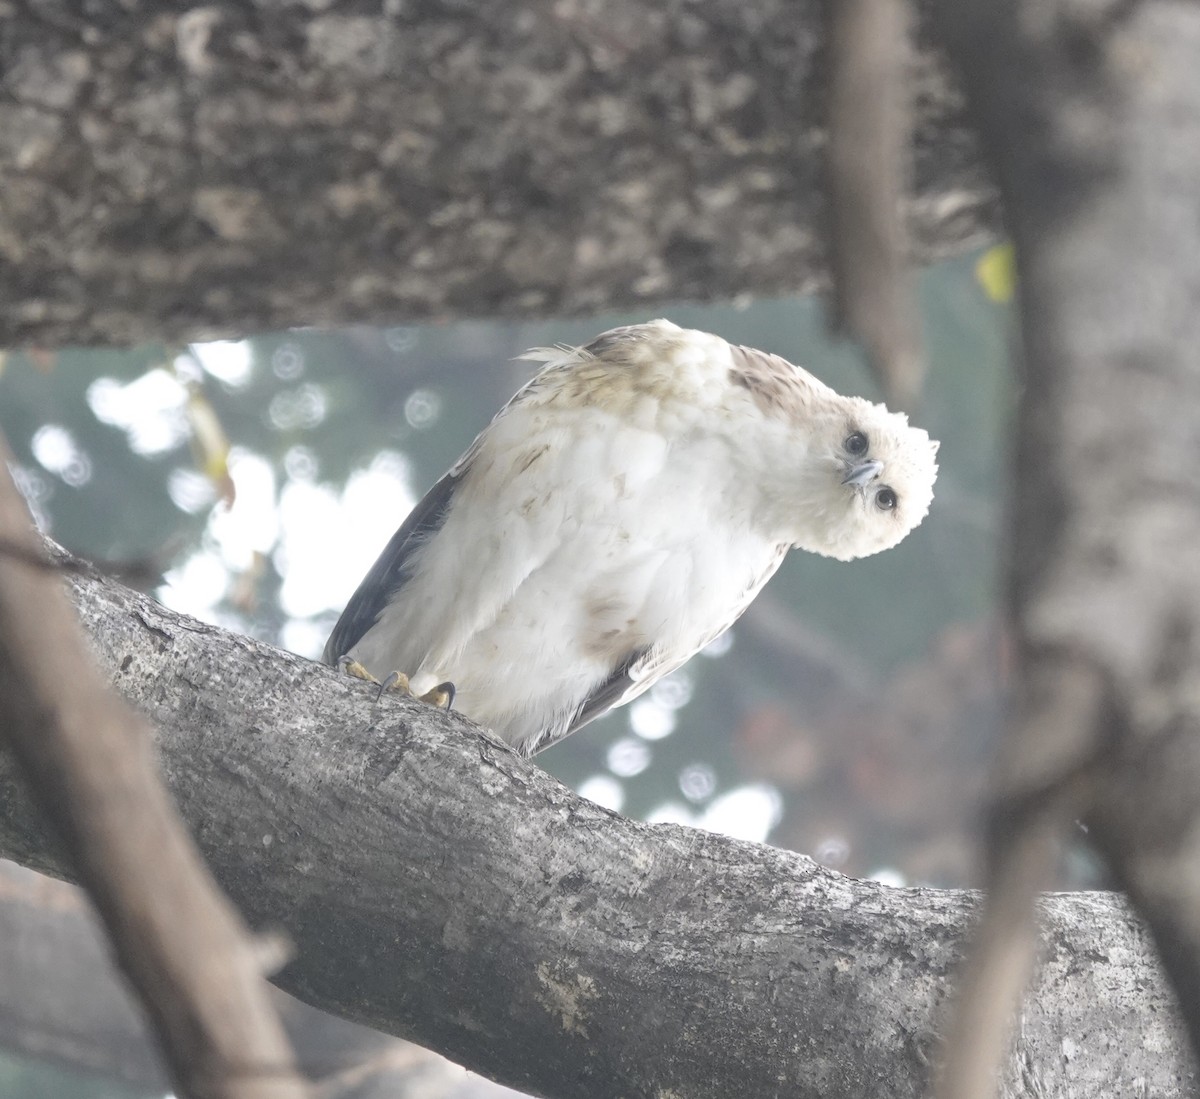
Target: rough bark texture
[166, 174]
[62, 1002]
[1090, 112]
[440, 888]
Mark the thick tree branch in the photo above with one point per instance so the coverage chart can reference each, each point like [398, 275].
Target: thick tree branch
[63, 1002]
[440, 888]
[227, 169]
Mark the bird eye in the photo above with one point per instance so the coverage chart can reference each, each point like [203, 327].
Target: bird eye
[886, 499]
[856, 444]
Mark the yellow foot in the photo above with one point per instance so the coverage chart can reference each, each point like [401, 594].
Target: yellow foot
[441, 696]
[352, 667]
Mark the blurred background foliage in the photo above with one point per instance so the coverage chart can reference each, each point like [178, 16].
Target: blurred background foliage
[848, 715]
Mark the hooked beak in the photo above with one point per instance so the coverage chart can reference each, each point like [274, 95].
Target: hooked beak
[864, 473]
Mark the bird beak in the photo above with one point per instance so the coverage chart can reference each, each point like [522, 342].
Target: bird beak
[863, 474]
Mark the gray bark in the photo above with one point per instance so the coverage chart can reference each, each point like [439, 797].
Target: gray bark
[169, 174]
[440, 888]
[1090, 112]
[63, 1002]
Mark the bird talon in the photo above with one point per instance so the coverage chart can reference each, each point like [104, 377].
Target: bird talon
[441, 696]
[352, 667]
[396, 682]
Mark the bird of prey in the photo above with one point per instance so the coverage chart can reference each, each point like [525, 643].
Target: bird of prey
[617, 515]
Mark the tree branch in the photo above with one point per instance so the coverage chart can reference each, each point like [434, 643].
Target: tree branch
[874, 296]
[440, 888]
[1090, 112]
[88, 762]
[169, 174]
[63, 1002]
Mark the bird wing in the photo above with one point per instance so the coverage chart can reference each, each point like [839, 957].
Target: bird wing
[644, 667]
[637, 673]
[388, 574]
[619, 686]
[625, 683]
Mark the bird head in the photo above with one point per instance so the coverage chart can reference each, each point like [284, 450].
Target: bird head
[867, 481]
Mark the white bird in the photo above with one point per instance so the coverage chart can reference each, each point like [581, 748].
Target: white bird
[618, 514]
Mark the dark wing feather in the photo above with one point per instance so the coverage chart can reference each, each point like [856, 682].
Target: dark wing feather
[387, 575]
[609, 694]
